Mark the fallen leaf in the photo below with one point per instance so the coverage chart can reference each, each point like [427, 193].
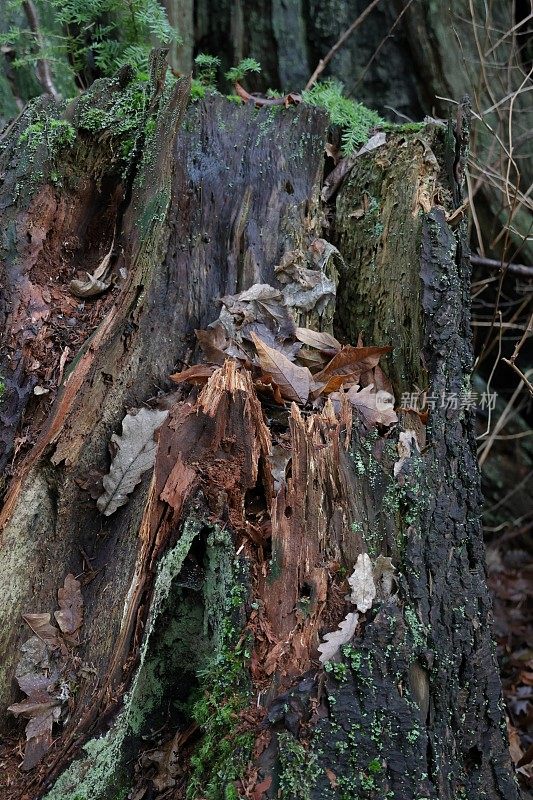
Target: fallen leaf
[362, 583]
[94, 285]
[213, 341]
[330, 646]
[352, 360]
[322, 341]
[376, 408]
[37, 675]
[135, 455]
[293, 381]
[332, 385]
[309, 290]
[260, 303]
[39, 728]
[70, 616]
[200, 373]
[377, 140]
[41, 626]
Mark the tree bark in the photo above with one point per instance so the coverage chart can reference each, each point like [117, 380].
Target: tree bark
[206, 595]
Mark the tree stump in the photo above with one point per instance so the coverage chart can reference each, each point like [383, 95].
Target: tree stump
[206, 596]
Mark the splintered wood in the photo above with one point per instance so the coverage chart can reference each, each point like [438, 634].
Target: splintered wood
[295, 534]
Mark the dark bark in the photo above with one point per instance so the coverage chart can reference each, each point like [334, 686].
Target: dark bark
[205, 555]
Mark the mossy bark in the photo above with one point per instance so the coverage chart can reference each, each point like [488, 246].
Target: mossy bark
[209, 587]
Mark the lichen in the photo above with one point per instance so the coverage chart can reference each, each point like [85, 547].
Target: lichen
[299, 769]
[102, 766]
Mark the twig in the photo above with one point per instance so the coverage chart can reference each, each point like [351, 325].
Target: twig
[44, 75]
[493, 263]
[520, 373]
[511, 361]
[322, 64]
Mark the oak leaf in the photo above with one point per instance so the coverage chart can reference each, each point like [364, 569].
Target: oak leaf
[136, 452]
[362, 583]
[320, 340]
[333, 641]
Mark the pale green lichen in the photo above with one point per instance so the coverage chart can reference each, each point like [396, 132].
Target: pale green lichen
[91, 777]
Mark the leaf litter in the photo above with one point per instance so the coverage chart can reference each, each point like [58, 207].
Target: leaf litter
[46, 670]
[289, 363]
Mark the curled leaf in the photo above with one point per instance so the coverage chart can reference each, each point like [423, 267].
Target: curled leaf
[333, 641]
[95, 283]
[320, 340]
[376, 408]
[200, 373]
[352, 360]
[70, 616]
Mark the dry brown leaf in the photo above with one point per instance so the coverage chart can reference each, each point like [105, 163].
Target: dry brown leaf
[376, 408]
[70, 616]
[37, 675]
[213, 341]
[260, 788]
[322, 341]
[95, 283]
[293, 381]
[41, 626]
[352, 360]
[135, 455]
[200, 373]
[332, 385]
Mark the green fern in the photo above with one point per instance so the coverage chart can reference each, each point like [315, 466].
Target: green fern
[243, 67]
[355, 119]
[108, 33]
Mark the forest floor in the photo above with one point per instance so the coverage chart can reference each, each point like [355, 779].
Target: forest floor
[510, 575]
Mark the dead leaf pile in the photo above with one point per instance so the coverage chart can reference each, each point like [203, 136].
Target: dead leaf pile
[257, 328]
[44, 672]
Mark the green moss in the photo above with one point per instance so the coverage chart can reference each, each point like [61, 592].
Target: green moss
[224, 685]
[47, 135]
[119, 122]
[299, 769]
[404, 127]
[338, 670]
[355, 119]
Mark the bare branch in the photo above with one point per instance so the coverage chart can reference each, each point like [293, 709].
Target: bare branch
[44, 75]
[322, 64]
[493, 263]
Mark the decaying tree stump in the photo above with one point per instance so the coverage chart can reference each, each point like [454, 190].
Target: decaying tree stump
[192, 666]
